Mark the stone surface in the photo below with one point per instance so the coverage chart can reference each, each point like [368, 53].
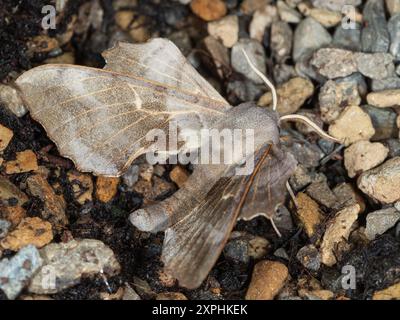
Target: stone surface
[338, 229]
[209, 10]
[54, 205]
[382, 183]
[287, 13]
[308, 37]
[226, 30]
[384, 99]
[237, 250]
[393, 6]
[349, 39]
[390, 293]
[261, 20]
[256, 54]
[375, 36]
[334, 63]
[347, 196]
[394, 31]
[325, 17]
[384, 122]
[5, 137]
[13, 214]
[82, 257]
[281, 40]
[32, 231]
[267, 280]
[291, 95]
[258, 247]
[352, 125]
[308, 213]
[335, 5]
[378, 222]
[375, 66]
[4, 227]
[10, 193]
[10, 98]
[309, 257]
[364, 155]
[106, 188]
[171, 296]
[179, 175]
[249, 6]
[319, 190]
[25, 161]
[16, 272]
[392, 82]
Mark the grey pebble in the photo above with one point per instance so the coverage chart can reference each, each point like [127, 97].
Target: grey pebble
[378, 222]
[384, 122]
[349, 39]
[309, 257]
[4, 227]
[392, 82]
[281, 40]
[394, 31]
[237, 250]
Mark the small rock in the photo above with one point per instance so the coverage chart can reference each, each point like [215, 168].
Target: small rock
[182, 40]
[255, 51]
[384, 99]
[166, 280]
[375, 36]
[226, 30]
[219, 59]
[25, 161]
[281, 40]
[308, 213]
[131, 176]
[249, 6]
[237, 250]
[281, 253]
[392, 82]
[301, 178]
[267, 280]
[4, 227]
[143, 288]
[348, 39]
[10, 98]
[179, 175]
[5, 137]
[338, 228]
[375, 66]
[243, 91]
[287, 13]
[316, 294]
[112, 296]
[171, 296]
[291, 95]
[308, 37]
[352, 125]
[305, 69]
[258, 247]
[209, 10]
[306, 153]
[83, 257]
[320, 192]
[9, 193]
[335, 5]
[378, 222]
[154, 189]
[362, 156]
[16, 272]
[130, 294]
[32, 231]
[394, 31]
[82, 186]
[138, 29]
[106, 188]
[309, 257]
[325, 17]
[335, 96]
[283, 73]
[124, 18]
[334, 63]
[390, 293]
[394, 147]
[384, 122]
[393, 6]
[262, 19]
[383, 182]
[347, 196]
[42, 44]
[13, 214]
[65, 58]
[54, 205]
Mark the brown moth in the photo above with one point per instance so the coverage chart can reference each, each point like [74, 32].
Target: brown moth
[99, 119]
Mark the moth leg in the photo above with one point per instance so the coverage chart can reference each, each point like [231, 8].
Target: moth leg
[291, 193]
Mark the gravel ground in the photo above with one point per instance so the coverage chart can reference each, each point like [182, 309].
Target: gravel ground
[340, 240]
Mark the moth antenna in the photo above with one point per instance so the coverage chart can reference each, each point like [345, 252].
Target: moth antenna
[265, 79]
[330, 156]
[275, 227]
[291, 193]
[305, 120]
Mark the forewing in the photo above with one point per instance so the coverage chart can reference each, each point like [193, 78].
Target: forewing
[100, 118]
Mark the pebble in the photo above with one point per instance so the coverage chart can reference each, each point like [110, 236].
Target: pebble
[301, 178]
[130, 294]
[352, 125]
[256, 53]
[182, 40]
[308, 213]
[267, 280]
[106, 188]
[237, 250]
[10, 99]
[378, 222]
[306, 153]
[339, 228]
[131, 176]
[394, 31]
[347, 196]
[305, 69]
[13, 214]
[9, 193]
[262, 19]
[82, 186]
[83, 257]
[65, 58]
[179, 175]
[375, 66]
[375, 36]
[209, 10]
[335, 5]
[258, 247]
[349, 39]
[281, 40]
[321, 192]
[42, 44]
[219, 56]
[334, 96]
[226, 30]
[171, 296]
[384, 122]
[283, 73]
[287, 13]
[53, 205]
[154, 189]
[4, 227]
[334, 63]
[325, 17]
[249, 6]
[25, 161]
[243, 91]
[392, 82]
[382, 183]
[364, 155]
[34, 231]
[291, 95]
[393, 6]
[309, 36]
[138, 29]
[385, 98]
[124, 18]
[394, 147]
[390, 293]
[309, 257]
[5, 137]
[16, 272]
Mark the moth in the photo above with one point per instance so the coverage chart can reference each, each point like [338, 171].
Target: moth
[99, 119]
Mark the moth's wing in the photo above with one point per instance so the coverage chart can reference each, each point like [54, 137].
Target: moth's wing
[268, 190]
[159, 60]
[193, 245]
[100, 118]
